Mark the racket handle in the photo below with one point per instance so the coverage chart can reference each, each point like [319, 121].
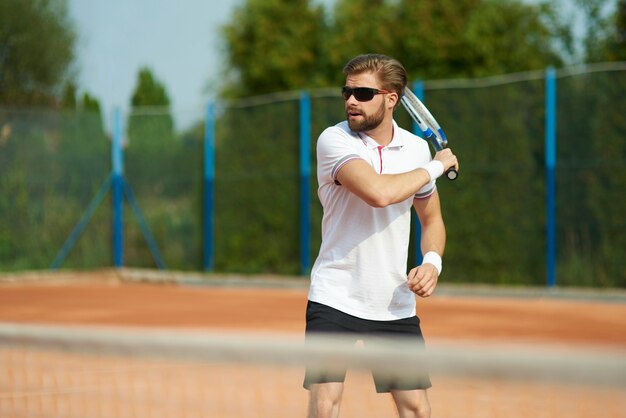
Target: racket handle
[452, 174]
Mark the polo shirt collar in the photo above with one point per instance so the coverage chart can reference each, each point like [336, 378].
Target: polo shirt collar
[396, 142]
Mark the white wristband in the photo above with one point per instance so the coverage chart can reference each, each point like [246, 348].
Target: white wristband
[434, 168]
[434, 259]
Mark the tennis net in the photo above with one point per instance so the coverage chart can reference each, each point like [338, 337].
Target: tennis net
[86, 372]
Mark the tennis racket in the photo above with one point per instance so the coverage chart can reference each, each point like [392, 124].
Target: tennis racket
[428, 125]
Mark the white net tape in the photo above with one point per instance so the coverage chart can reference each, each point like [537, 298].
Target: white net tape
[79, 372]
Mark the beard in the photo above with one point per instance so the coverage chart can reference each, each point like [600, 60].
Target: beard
[368, 122]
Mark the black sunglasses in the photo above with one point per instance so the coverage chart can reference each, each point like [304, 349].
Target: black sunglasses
[362, 94]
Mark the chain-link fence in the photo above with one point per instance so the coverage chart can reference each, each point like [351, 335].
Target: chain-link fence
[53, 164]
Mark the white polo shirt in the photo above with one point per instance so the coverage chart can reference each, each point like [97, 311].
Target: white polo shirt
[361, 266]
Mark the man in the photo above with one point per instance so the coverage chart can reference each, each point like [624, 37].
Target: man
[370, 173]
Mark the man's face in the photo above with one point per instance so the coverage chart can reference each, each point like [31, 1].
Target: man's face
[364, 116]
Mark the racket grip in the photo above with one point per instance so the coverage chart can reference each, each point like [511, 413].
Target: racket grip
[452, 174]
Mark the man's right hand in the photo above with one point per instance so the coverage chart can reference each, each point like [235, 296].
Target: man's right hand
[448, 159]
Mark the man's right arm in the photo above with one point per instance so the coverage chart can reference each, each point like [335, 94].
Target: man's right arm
[380, 190]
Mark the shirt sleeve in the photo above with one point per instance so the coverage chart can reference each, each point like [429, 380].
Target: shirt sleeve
[430, 187]
[335, 148]
[427, 190]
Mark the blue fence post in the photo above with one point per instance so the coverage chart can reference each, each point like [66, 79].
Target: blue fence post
[550, 162]
[418, 89]
[209, 187]
[305, 188]
[117, 184]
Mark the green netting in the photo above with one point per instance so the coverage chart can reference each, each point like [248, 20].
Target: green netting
[52, 164]
[591, 179]
[257, 188]
[164, 171]
[494, 212]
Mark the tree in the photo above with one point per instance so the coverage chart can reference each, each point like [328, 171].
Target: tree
[607, 180]
[152, 163]
[504, 156]
[90, 103]
[510, 36]
[467, 38]
[615, 44]
[149, 91]
[359, 26]
[596, 25]
[273, 45]
[36, 50]
[144, 130]
[68, 100]
[71, 101]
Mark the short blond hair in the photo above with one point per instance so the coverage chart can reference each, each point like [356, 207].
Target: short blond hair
[390, 73]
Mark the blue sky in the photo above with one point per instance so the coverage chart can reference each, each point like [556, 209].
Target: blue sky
[178, 40]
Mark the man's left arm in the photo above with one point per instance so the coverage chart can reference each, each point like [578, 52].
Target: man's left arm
[422, 279]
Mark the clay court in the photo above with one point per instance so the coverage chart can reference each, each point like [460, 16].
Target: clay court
[458, 315]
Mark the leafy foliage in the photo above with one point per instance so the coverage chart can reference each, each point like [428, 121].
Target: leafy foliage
[496, 220]
[615, 43]
[256, 187]
[591, 174]
[148, 134]
[273, 45]
[149, 91]
[53, 162]
[36, 50]
[432, 38]
[164, 173]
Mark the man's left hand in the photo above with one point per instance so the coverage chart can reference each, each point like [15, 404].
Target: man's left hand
[422, 280]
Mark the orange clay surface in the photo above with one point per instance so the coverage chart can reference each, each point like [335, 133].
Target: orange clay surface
[98, 298]
[41, 383]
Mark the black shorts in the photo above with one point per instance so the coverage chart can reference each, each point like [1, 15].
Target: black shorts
[324, 319]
